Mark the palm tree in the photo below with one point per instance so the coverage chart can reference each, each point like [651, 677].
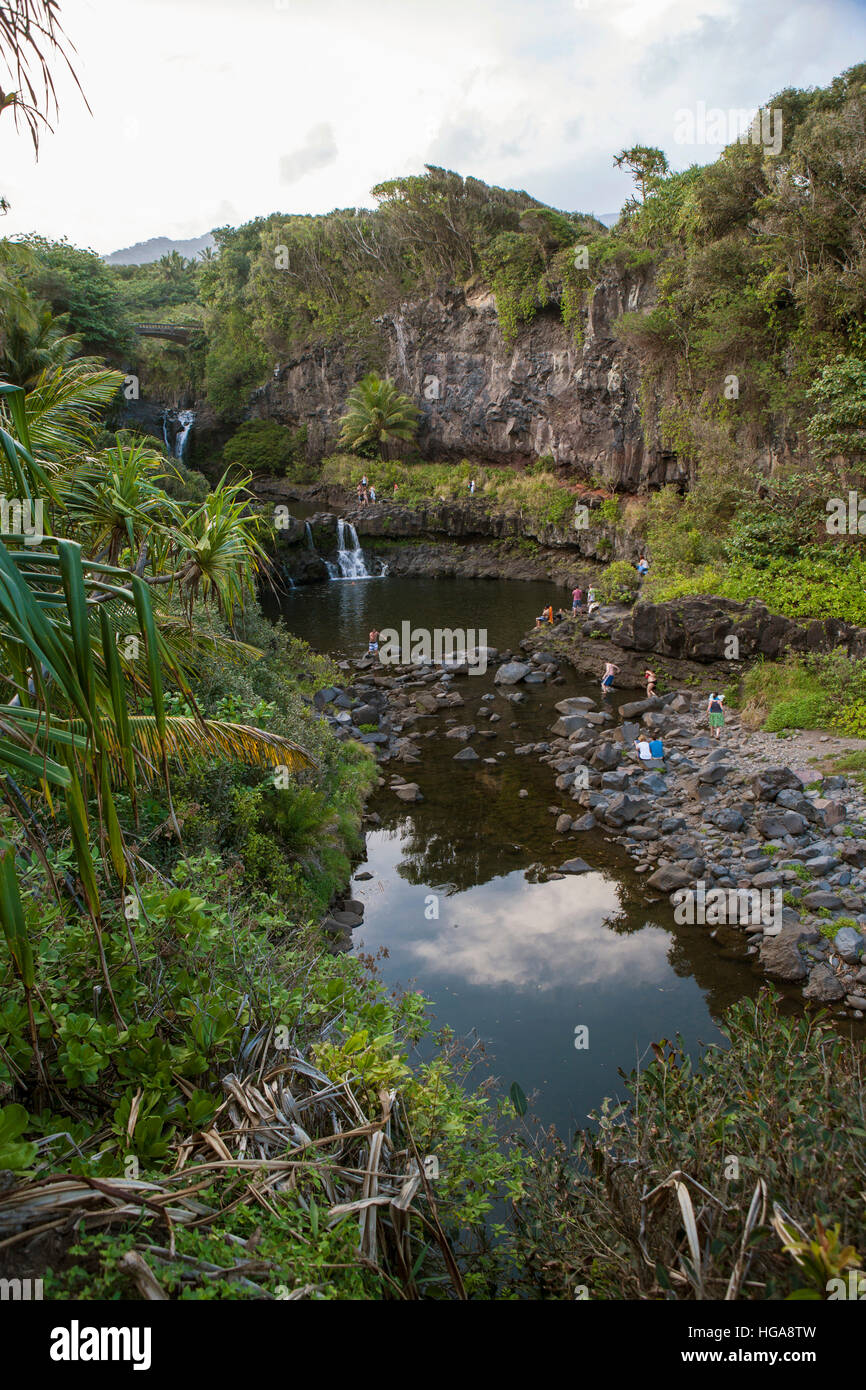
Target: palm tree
[69, 726]
[33, 340]
[115, 499]
[377, 414]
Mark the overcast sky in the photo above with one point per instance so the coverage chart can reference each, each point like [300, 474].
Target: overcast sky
[214, 111]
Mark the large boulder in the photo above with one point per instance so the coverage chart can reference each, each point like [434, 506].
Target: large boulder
[569, 724]
[575, 704]
[666, 879]
[776, 827]
[850, 944]
[622, 809]
[511, 673]
[697, 629]
[781, 956]
[772, 780]
[824, 986]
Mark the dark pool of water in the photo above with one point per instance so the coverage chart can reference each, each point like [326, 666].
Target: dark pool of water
[453, 897]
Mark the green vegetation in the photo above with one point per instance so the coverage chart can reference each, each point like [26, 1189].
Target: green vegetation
[617, 583]
[283, 281]
[744, 538]
[773, 1223]
[174, 822]
[264, 446]
[377, 417]
[812, 692]
[539, 494]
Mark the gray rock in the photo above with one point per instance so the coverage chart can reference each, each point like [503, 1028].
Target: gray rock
[511, 673]
[717, 772]
[822, 899]
[409, 791]
[772, 780]
[667, 879]
[781, 955]
[587, 822]
[569, 724]
[636, 707]
[776, 826]
[605, 757]
[466, 755]
[824, 987]
[575, 704]
[622, 809]
[833, 814]
[563, 823]
[726, 819]
[850, 944]
[575, 866]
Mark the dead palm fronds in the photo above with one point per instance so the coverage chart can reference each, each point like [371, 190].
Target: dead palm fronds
[284, 1132]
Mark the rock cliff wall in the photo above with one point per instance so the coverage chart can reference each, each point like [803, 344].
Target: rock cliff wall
[575, 395]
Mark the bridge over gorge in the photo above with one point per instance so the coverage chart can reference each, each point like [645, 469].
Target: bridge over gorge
[177, 332]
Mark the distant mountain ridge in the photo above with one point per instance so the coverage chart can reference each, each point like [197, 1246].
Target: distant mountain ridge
[143, 252]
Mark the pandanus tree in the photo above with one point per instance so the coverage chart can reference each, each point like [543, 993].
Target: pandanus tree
[377, 414]
[83, 653]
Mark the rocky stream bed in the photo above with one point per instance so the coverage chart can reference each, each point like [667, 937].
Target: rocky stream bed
[712, 815]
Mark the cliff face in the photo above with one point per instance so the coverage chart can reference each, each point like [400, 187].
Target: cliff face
[575, 396]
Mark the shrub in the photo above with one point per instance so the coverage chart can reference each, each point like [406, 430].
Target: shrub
[618, 583]
[264, 446]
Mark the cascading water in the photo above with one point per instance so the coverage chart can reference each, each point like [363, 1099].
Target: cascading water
[350, 562]
[350, 559]
[185, 420]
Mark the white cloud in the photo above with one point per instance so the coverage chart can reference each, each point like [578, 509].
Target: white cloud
[317, 152]
[302, 107]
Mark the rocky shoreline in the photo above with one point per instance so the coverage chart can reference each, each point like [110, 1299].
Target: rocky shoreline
[716, 820]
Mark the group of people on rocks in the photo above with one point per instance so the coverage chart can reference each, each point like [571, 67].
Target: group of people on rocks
[367, 492]
[715, 704]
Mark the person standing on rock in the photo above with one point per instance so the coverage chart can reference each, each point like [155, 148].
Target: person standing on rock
[472, 487]
[372, 493]
[643, 566]
[650, 678]
[716, 713]
[373, 643]
[607, 679]
[576, 601]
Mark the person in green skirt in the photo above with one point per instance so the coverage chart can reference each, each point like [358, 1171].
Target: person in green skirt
[716, 713]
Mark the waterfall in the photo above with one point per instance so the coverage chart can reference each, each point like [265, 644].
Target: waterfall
[185, 420]
[350, 558]
[350, 562]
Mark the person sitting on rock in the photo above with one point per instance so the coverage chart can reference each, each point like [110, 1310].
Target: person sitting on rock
[591, 601]
[642, 566]
[373, 644]
[643, 748]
